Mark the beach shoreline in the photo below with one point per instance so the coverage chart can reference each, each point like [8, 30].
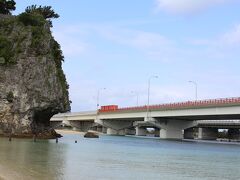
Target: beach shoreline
[68, 131]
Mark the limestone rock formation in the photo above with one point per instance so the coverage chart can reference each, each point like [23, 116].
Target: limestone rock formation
[33, 86]
[91, 135]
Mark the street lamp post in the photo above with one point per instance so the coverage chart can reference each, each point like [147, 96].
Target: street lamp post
[137, 95]
[149, 83]
[98, 95]
[196, 89]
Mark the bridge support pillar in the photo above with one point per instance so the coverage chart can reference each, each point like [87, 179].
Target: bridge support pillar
[99, 128]
[76, 129]
[104, 130]
[171, 133]
[140, 131]
[157, 132]
[111, 131]
[130, 131]
[189, 133]
[234, 134]
[172, 128]
[207, 133]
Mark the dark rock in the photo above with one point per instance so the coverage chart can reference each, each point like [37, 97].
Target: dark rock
[91, 135]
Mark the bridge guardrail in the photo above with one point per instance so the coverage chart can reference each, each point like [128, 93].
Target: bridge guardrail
[179, 105]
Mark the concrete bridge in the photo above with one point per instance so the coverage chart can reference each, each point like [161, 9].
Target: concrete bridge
[174, 120]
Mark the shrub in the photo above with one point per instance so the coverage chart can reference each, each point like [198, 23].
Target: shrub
[10, 97]
[6, 50]
[37, 37]
[31, 19]
[46, 11]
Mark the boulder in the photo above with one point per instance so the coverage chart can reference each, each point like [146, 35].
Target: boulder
[91, 135]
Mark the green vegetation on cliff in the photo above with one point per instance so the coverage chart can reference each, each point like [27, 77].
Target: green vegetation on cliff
[27, 34]
[6, 6]
[6, 51]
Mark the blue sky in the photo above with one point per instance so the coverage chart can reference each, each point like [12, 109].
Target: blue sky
[119, 44]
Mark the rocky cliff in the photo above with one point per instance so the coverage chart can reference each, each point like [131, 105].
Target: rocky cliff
[33, 86]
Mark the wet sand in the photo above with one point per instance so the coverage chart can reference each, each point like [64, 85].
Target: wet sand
[8, 174]
[67, 131]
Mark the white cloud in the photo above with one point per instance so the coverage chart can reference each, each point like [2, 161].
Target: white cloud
[220, 47]
[70, 39]
[150, 44]
[134, 38]
[232, 37]
[187, 6]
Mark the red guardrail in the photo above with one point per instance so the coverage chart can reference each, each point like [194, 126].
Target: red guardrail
[180, 105]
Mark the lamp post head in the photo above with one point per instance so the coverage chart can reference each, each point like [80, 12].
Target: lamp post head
[154, 76]
[196, 89]
[101, 89]
[194, 82]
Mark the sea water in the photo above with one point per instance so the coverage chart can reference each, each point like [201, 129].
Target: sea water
[115, 157]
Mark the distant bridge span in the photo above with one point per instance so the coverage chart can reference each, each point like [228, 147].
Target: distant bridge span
[171, 118]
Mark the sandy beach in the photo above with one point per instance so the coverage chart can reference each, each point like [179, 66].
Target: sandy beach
[68, 131]
[8, 174]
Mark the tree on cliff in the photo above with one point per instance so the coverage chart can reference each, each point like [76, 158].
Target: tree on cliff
[45, 11]
[6, 6]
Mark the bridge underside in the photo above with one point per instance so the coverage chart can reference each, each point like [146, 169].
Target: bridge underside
[119, 126]
[219, 126]
[82, 125]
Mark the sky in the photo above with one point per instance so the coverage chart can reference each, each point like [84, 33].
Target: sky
[120, 44]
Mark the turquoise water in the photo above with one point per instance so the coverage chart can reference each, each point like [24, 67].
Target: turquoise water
[112, 157]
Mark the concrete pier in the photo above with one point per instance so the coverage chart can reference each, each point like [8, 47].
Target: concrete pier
[173, 129]
[171, 133]
[130, 131]
[99, 128]
[234, 134]
[207, 133]
[111, 131]
[157, 132]
[104, 130]
[140, 131]
[189, 133]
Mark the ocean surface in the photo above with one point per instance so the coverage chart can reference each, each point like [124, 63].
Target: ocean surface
[115, 157]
